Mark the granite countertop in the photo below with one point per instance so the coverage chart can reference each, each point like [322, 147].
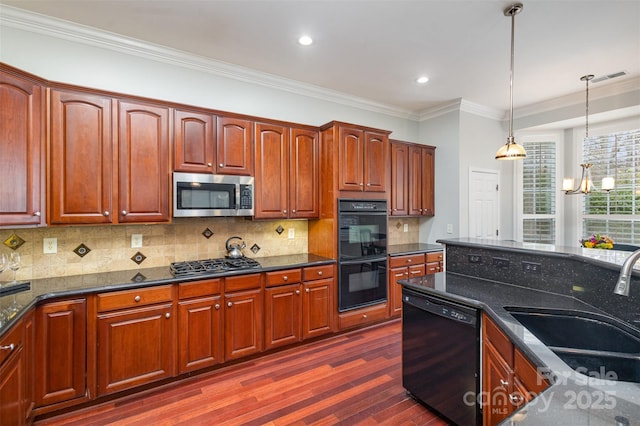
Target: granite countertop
[573, 399]
[402, 249]
[78, 285]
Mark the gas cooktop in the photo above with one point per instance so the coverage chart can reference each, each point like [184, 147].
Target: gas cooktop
[211, 266]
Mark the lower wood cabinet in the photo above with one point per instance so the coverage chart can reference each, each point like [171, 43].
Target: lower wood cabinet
[317, 300]
[283, 312]
[243, 322]
[61, 353]
[363, 316]
[13, 404]
[409, 266]
[199, 325]
[136, 345]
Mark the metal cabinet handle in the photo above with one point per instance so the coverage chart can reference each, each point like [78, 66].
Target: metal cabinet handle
[230, 304]
[400, 275]
[36, 213]
[320, 273]
[106, 213]
[136, 299]
[285, 278]
[293, 211]
[284, 211]
[408, 260]
[361, 184]
[415, 272]
[368, 184]
[297, 291]
[364, 316]
[217, 306]
[124, 212]
[10, 347]
[209, 165]
[308, 291]
[221, 165]
[504, 382]
[167, 315]
[516, 399]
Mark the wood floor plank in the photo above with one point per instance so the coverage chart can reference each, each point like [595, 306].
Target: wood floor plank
[350, 379]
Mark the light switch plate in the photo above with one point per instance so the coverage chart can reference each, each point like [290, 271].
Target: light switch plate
[49, 245]
[292, 233]
[136, 240]
[406, 227]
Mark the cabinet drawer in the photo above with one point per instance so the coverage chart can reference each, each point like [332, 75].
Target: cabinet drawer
[434, 257]
[528, 374]
[317, 272]
[136, 297]
[399, 261]
[241, 282]
[363, 316]
[433, 267]
[416, 270]
[498, 339]
[11, 341]
[199, 288]
[289, 276]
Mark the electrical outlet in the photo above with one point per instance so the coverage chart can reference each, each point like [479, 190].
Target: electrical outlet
[475, 258]
[531, 267]
[500, 262]
[449, 228]
[406, 227]
[292, 233]
[136, 240]
[49, 245]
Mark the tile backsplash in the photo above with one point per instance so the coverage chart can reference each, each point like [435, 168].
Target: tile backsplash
[109, 247]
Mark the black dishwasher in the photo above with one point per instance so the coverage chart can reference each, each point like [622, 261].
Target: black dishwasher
[441, 356]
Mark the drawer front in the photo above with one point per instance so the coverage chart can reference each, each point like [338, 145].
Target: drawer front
[433, 267]
[11, 341]
[363, 316]
[199, 288]
[498, 339]
[399, 261]
[417, 270]
[434, 257]
[290, 276]
[241, 282]
[317, 272]
[137, 297]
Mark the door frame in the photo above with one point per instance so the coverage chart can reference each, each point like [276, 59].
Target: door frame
[472, 171]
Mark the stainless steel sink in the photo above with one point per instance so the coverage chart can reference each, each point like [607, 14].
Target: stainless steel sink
[592, 344]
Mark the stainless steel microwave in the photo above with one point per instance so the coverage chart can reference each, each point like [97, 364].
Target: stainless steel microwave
[205, 195]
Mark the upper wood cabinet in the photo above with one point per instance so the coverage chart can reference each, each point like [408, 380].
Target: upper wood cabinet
[21, 148]
[286, 172]
[412, 179]
[234, 147]
[363, 160]
[194, 142]
[92, 137]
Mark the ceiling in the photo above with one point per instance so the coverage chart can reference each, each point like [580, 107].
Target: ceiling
[375, 49]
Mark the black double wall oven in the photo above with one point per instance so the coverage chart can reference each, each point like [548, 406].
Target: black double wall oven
[362, 253]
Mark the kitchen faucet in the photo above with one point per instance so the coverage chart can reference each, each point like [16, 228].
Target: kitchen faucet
[622, 286]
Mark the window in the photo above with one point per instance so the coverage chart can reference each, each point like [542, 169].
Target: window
[617, 213]
[539, 191]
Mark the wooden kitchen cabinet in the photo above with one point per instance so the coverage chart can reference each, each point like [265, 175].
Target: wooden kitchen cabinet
[421, 180]
[399, 179]
[363, 159]
[136, 338]
[509, 378]
[194, 141]
[283, 308]
[243, 316]
[317, 300]
[199, 325]
[92, 137]
[13, 381]
[400, 268]
[22, 147]
[234, 146]
[61, 353]
[434, 262]
[286, 172]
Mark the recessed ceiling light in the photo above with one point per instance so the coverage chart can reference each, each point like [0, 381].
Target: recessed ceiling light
[422, 80]
[305, 40]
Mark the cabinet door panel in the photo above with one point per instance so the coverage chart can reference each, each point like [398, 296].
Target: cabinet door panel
[375, 162]
[283, 315]
[396, 274]
[21, 142]
[497, 386]
[234, 149]
[242, 324]
[399, 176]
[135, 347]
[81, 151]
[12, 382]
[303, 175]
[272, 171]
[351, 147]
[317, 308]
[428, 185]
[200, 333]
[415, 180]
[194, 142]
[144, 163]
[61, 358]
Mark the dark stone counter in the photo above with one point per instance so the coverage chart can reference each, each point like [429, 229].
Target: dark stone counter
[402, 249]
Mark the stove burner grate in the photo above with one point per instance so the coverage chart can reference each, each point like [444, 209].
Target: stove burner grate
[209, 266]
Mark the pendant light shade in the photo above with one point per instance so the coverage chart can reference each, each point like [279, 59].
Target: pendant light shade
[511, 150]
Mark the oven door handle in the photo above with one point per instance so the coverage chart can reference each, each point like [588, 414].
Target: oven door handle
[360, 260]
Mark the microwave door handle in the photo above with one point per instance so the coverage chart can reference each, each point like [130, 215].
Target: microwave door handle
[237, 200]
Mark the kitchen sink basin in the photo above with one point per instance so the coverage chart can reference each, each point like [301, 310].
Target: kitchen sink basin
[591, 344]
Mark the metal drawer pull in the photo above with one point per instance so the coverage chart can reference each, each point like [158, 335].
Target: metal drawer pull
[167, 315]
[297, 291]
[364, 316]
[504, 382]
[136, 299]
[516, 399]
[124, 212]
[320, 273]
[217, 306]
[308, 291]
[106, 213]
[230, 304]
[10, 347]
[36, 214]
[285, 278]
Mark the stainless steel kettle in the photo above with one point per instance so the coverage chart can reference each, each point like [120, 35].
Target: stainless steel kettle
[234, 250]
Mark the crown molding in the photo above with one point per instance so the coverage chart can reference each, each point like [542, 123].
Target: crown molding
[58, 28]
[462, 105]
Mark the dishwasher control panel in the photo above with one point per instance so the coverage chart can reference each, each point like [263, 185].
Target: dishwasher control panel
[443, 308]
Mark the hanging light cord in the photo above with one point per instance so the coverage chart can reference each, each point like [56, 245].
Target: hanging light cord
[513, 24]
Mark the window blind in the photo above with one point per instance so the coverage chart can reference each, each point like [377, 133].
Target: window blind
[539, 192]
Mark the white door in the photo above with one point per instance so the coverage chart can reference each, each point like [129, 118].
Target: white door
[484, 204]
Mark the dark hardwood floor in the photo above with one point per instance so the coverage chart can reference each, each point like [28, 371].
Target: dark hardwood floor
[349, 379]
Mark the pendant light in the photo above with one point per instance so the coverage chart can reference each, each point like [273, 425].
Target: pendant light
[511, 150]
[586, 184]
